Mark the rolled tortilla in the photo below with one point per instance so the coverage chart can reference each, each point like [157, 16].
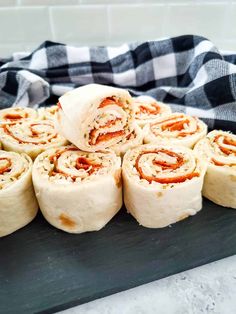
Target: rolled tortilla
[162, 184]
[30, 136]
[18, 205]
[95, 117]
[47, 113]
[135, 138]
[219, 148]
[16, 114]
[176, 128]
[78, 191]
[147, 110]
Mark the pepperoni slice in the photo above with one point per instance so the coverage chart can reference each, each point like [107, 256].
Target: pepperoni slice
[15, 116]
[165, 165]
[81, 163]
[108, 136]
[110, 101]
[228, 141]
[220, 164]
[155, 109]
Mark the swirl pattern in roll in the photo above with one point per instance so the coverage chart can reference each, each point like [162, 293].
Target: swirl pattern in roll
[162, 184]
[78, 191]
[30, 136]
[147, 109]
[95, 117]
[18, 204]
[135, 138]
[219, 148]
[176, 128]
[48, 113]
[17, 114]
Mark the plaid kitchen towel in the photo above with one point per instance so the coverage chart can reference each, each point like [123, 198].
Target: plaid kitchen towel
[188, 71]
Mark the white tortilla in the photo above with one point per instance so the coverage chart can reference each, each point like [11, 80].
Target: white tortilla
[47, 113]
[144, 117]
[195, 130]
[17, 114]
[157, 205]
[18, 205]
[220, 180]
[85, 203]
[20, 134]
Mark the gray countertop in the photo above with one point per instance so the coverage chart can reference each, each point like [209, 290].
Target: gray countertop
[207, 289]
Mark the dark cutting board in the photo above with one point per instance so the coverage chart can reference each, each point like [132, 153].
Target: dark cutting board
[43, 270]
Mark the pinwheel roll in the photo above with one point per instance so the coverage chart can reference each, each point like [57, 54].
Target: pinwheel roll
[219, 148]
[135, 138]
[162, 184]
[31, 137]
[95, 117]
[147, 109]
[78, 191]
[18, 205]
[47, 113]
[176, 128]
[16, 114]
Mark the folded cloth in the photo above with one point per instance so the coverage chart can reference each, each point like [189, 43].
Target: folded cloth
[188, 71]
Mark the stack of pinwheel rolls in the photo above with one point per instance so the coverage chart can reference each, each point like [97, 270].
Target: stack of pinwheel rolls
[177, 129]
[219, 148]
[162, 184]
[18, 204]
[147, 110]
[79, 186]
[78, 191]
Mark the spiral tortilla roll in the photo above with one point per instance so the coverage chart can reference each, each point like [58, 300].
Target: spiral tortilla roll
[135, 138]
[176, 128]
[147, 109]
[95, 117]
[17, 114]
[47, 113]
[78, 191]
[219, 148]
[30, 136]
[18, 205]
[162, 184]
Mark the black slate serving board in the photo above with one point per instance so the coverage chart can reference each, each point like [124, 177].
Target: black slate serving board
[43, 270]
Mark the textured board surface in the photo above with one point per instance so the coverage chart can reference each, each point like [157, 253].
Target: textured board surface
[43, 270]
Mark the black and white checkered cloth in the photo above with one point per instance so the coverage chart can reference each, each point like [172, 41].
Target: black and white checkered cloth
[188, 71]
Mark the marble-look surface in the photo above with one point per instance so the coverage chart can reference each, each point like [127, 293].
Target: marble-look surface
[207, 289]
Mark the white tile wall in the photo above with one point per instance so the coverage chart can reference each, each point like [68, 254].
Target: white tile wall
[24, 24]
